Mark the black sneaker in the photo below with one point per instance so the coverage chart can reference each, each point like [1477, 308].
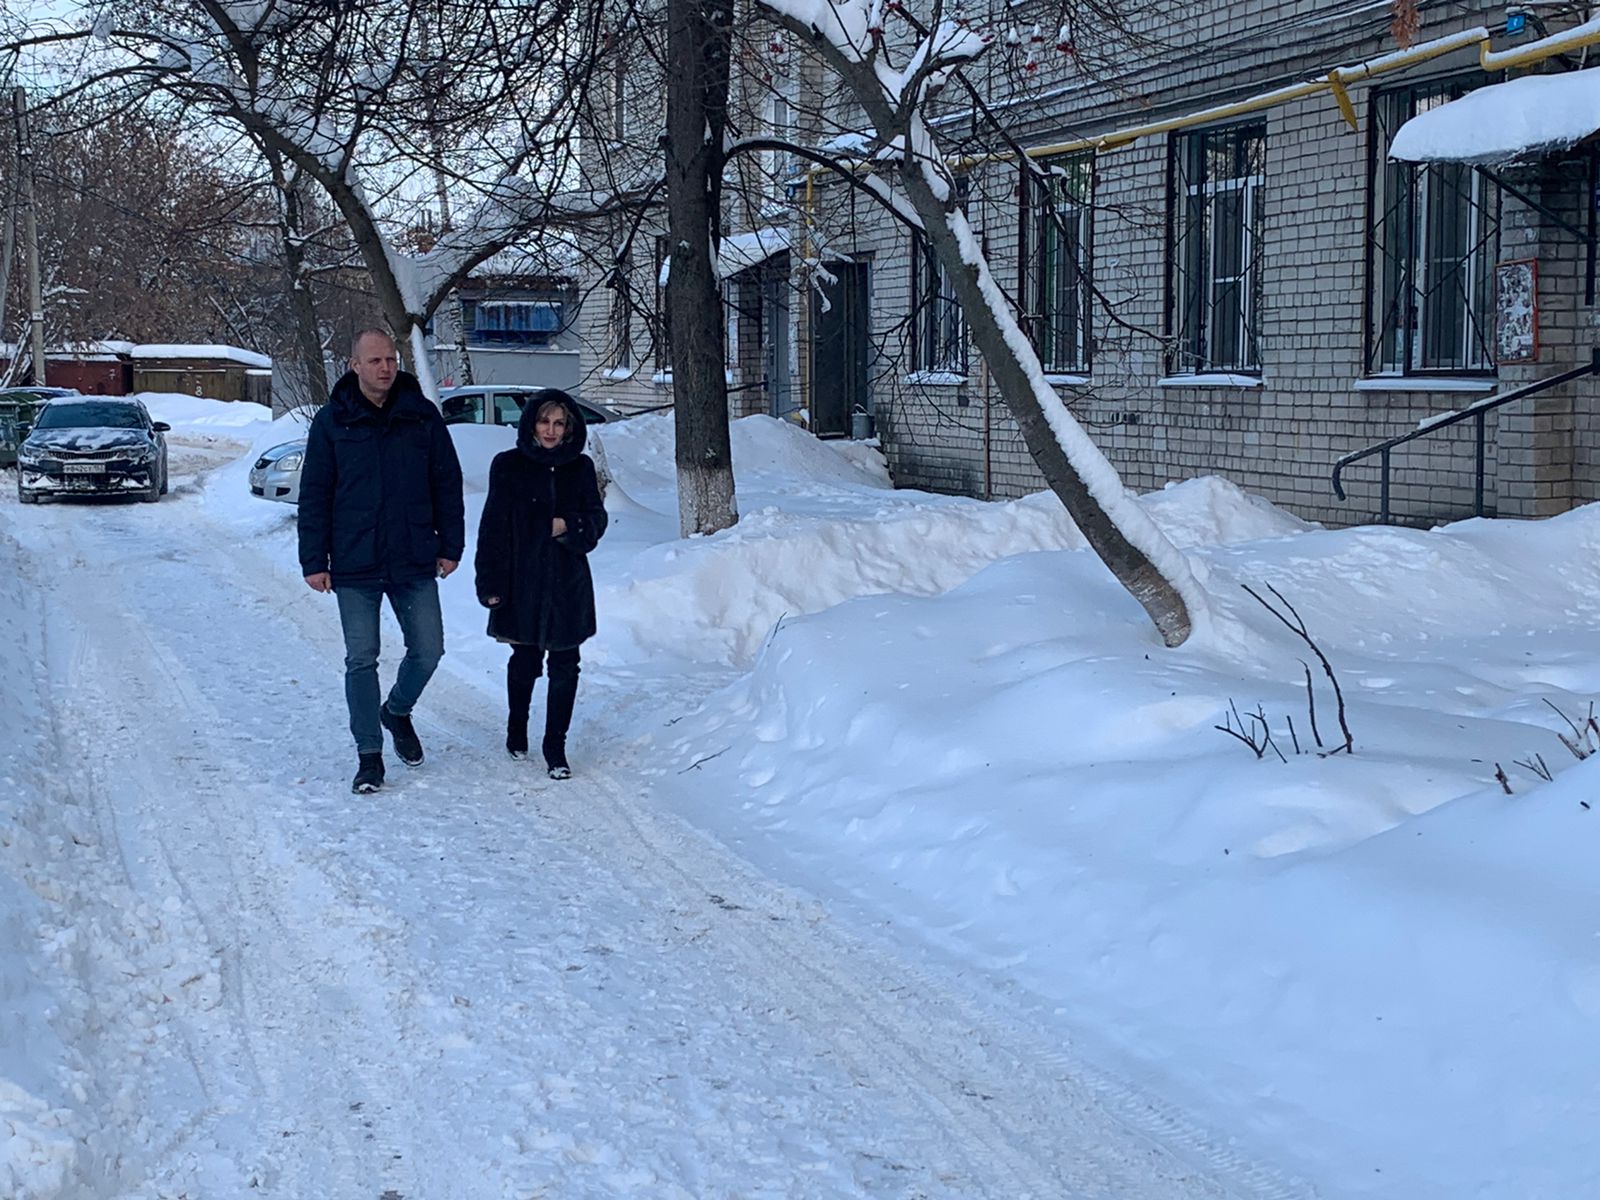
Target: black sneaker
[406, 743]
[370, 777]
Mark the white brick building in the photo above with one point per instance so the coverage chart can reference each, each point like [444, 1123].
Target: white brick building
[1252, 292]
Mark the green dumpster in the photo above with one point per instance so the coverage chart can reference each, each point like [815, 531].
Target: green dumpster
[18, 407]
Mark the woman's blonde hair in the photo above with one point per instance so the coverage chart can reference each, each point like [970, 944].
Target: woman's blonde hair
[561, 407]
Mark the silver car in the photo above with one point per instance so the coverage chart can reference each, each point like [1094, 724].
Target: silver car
[276, 474]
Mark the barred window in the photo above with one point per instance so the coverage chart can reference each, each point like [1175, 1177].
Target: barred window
[1063, 262]
[621, 333]
[1435, 235]
[940, 331]
[1216, 278]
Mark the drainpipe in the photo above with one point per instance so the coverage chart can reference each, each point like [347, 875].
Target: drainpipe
[1336, 81]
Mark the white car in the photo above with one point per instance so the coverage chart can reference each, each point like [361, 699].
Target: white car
[275, 475]
[502, 404]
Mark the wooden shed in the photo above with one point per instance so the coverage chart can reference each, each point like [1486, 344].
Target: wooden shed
[220, 372]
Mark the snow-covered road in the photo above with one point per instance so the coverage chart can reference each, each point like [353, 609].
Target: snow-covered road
[479, 983]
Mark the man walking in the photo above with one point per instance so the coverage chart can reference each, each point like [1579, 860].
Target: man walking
[381, 514]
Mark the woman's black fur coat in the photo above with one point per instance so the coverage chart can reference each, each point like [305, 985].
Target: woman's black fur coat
[545, 591]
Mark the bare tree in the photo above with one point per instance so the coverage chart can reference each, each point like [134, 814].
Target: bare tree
[367, 100]
[697, 117]
[894, 68]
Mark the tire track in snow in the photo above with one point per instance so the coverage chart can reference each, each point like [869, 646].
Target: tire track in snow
[191, 848]
[1022, 1131]
[636, 1010]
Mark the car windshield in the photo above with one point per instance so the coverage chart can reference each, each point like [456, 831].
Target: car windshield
[90, 416]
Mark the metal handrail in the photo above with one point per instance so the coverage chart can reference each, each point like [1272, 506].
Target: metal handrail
[1475, 412]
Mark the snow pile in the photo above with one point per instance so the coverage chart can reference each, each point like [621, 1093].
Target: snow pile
[1377, 967]
[821, 527]
[41, 1079]
[199, 414]
[1520, 118]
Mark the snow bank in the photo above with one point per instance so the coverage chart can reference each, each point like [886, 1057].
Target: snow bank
[201, 414]
[41, 1078]
[816, 545]
[1376, 967]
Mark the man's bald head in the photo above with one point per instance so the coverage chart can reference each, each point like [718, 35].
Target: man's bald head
[375, 359]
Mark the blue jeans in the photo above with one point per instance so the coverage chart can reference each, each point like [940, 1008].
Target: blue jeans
[416, 606]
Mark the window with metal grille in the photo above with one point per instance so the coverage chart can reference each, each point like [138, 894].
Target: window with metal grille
[940, 331]
[621, 333]
[1434, 238]
[1063, 261]
[1215, 296]
[660, 326]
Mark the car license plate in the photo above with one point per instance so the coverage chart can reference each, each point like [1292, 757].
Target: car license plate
[83, 468]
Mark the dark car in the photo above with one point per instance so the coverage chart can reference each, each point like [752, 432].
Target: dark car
[93, 446]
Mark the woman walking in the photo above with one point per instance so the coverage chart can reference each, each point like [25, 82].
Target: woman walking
[542, 517]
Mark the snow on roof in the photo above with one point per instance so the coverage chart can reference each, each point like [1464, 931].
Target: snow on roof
[547, 256]
[178, 350]
[740, 251]
[1521, 118]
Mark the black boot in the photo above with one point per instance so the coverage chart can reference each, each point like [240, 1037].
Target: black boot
[563, 694]
[369, 778]
[521, 672]
[406, 742]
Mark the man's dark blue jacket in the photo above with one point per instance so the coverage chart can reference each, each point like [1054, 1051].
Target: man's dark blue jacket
[380, 489]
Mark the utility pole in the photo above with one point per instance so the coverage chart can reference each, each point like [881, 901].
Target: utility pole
[8, 252]
[30, 229]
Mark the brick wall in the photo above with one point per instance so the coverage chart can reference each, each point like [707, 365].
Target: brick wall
[1315, 402]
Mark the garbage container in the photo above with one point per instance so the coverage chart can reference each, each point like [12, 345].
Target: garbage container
[18, 408]
[861, 425]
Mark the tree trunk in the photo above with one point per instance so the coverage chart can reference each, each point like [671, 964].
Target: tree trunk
[989, 326]
[697, 101]
[306, 380]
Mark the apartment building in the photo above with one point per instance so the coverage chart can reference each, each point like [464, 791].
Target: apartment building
[1219, 255]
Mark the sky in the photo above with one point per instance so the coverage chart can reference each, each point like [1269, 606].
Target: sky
[900, 858]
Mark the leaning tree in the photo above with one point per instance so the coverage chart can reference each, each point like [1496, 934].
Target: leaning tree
[894, 67]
